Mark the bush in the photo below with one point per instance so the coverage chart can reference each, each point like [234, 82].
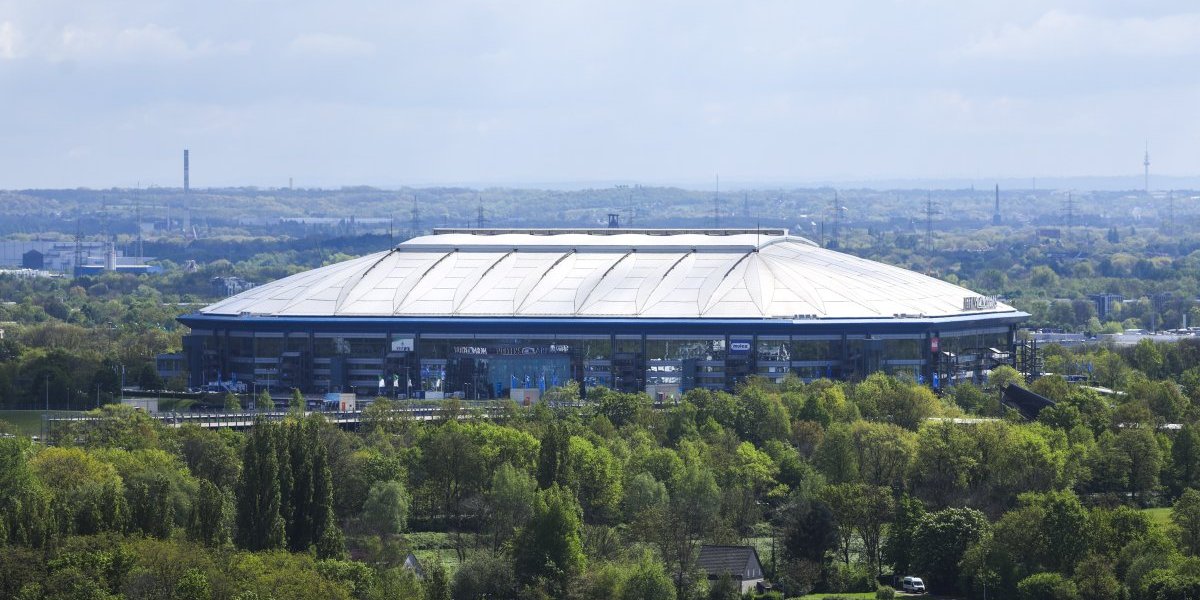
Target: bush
[885, 592]
[850, 579]
[1047, 586]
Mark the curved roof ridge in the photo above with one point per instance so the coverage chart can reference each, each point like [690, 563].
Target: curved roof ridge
[686, 276]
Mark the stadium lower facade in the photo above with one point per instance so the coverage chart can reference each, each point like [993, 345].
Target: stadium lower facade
[484, 314]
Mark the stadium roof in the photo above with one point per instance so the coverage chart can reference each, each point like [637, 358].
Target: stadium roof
[622, 273]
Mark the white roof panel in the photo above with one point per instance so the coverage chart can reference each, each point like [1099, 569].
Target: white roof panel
[643, 273]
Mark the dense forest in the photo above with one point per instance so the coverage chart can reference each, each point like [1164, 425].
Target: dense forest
[836, 484]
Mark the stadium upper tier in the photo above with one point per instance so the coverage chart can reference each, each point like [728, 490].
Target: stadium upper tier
[610, 273]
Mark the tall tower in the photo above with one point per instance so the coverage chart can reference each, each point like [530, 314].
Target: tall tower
[1069, 209]
[996, 213]
[479, 220]
[837, 207]
[415, 225]
[1146, 165]
[930, 210]
[717, 204]
[186, 184]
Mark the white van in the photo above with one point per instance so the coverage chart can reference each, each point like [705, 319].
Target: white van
[913, 585]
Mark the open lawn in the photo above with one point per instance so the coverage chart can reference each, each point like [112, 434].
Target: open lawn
[29, 422]
[1159, 517]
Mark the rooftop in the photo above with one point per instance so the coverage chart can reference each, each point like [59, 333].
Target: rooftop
[644, 273]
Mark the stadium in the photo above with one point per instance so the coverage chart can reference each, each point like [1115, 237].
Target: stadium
[492, 313]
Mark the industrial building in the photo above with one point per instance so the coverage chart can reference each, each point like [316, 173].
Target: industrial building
[492, 313]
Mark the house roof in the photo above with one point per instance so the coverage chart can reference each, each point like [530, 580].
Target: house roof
[735, 560]
[1028, 403]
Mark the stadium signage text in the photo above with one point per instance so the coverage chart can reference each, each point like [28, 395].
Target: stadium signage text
[979, 302]
[512, 350]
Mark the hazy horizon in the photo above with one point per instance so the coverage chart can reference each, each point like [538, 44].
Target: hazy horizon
[555, 93]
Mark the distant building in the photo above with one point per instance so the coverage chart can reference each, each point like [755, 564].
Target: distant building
[1061, 338]
[740, 562]
[59, 257]
[33, 260]
[228, 286]
[170, 365]
[1105, 303]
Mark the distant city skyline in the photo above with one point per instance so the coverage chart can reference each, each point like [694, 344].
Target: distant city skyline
[561, 94]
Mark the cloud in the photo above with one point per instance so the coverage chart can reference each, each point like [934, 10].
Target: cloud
[328, 45]
[150, 43]
[1061, 34]
[9, 40]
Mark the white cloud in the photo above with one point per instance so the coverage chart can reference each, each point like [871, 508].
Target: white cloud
[148, 43]
[328, 45]
[1061, 34]
[9, 40]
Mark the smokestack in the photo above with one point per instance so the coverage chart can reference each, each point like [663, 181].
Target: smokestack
[996, 214]
[186, 184]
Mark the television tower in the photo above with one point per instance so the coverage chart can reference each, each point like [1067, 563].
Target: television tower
[186, 183]
[1146, 165]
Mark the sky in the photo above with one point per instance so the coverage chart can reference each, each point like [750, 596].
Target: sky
[391, 93]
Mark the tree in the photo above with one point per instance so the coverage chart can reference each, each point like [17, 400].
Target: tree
[550, 548]
[897, 548]
[210, 454]
[1145, 459]
[648, 581]
[1095, 580]
[596, 478]
[437, 583]
[25, 517]
[265, 402]
[87, 493]
[939, 541]
[619, 408]
[761, 416]
[692, 512]
[231, 402]
[259, 524]
[510, 499]
[326, 533]
[484, 576]
[1186, 516]
[209, 522]
[386, 510]
[1185, 460]
[724, 588]
[1047, 586]
[553, 455]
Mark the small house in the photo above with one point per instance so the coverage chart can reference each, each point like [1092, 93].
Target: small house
[412, 564]
[741, 562]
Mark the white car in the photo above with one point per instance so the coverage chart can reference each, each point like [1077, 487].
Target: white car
[913, 585]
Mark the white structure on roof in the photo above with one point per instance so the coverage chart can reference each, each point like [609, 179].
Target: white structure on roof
[610, 273]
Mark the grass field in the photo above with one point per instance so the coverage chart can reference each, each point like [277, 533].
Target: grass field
[1159, 517]
[29, 422]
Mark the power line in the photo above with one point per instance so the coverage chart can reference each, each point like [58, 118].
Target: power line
[930, 211]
